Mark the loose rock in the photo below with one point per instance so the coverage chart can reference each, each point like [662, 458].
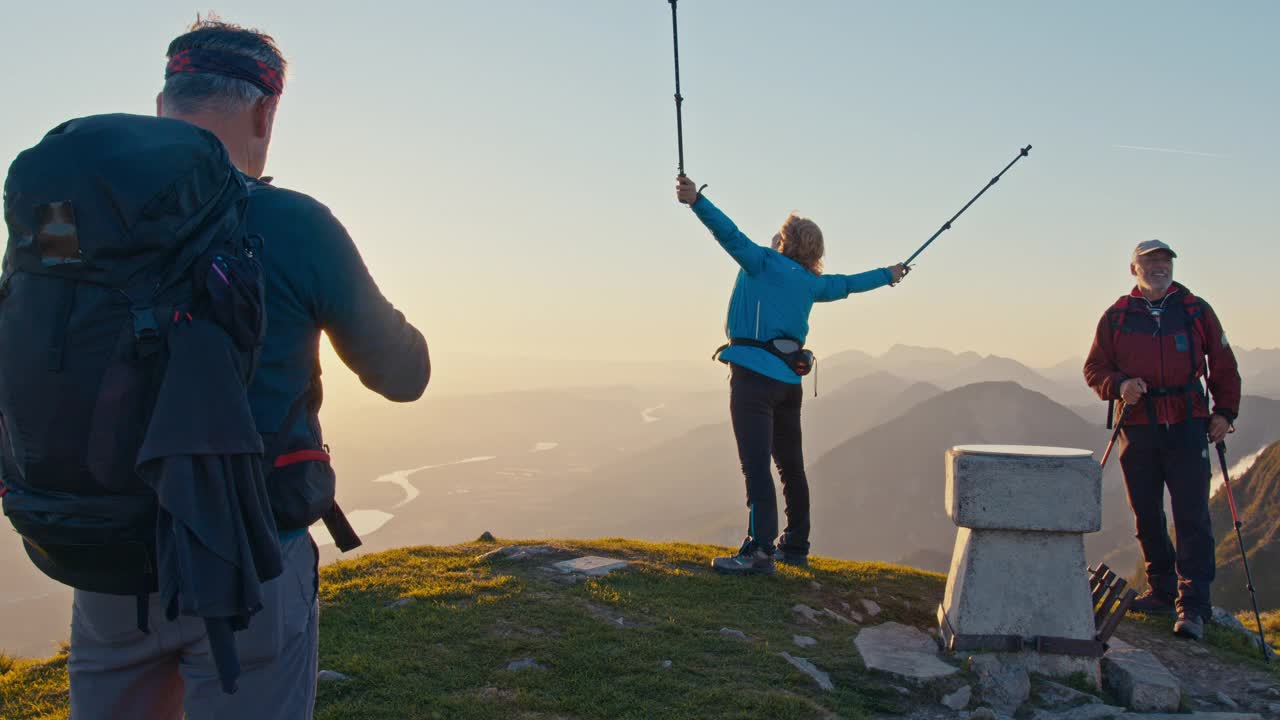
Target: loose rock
[836, 616]
[1055, 696]
[805, 612]
[959, 699]
[1139, 681]
[808, 668]
[1002, 687]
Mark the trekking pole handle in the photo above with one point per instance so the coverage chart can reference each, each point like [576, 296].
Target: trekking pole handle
[1124, 409]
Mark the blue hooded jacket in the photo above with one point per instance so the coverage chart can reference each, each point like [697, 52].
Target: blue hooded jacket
[773, 294]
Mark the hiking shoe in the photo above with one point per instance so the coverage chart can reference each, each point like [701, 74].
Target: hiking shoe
[1189, 626]
[1153, 603]
[750, 560]
[791, 558]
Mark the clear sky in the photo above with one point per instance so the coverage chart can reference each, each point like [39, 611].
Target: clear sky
[507, 166]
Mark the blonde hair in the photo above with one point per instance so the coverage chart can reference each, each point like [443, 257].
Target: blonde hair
[802, 242]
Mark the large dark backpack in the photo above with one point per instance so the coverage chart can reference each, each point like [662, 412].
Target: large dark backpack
[119, 226]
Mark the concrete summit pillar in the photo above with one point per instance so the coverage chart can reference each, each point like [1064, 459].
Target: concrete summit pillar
[1018, 573]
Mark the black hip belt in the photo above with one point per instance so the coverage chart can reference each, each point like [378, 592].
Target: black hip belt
[1175, 390]
[1187, 391]
[789, 351]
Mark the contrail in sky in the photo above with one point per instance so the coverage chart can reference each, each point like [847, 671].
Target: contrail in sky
[1170, 150]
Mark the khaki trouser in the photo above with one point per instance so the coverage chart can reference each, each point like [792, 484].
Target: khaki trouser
[118, 672]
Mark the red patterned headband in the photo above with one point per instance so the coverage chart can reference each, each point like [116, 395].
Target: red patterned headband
[228, 64]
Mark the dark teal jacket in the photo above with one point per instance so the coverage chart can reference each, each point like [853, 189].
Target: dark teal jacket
[316, 282]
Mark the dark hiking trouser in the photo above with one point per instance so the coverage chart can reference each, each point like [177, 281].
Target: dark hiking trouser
[1154, 457]
[766, 422]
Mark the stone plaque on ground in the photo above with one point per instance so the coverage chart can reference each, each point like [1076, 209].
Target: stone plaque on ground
[592, 565]
[901, 650]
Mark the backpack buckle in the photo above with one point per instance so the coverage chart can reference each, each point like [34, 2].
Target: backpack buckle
[146, 331]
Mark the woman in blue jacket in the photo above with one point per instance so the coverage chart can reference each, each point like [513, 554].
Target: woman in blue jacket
[775, 290]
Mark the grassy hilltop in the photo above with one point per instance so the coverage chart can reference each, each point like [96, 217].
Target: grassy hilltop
[430, 632]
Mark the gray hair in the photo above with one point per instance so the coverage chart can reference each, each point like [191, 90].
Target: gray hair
[192, 93]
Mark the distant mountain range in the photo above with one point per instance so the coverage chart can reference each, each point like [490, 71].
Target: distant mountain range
[857, 406]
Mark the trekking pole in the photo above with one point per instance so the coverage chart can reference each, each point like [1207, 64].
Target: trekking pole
[1226, 482]
[947, 225]
[1115, 433]
[675, 44]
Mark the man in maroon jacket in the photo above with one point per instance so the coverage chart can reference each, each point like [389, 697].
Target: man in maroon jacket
[1151, 349]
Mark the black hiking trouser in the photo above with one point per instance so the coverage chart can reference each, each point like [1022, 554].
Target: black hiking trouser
[1154, 457]
[766, 423]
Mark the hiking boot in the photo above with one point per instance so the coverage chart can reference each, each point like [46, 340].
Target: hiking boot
[750, 560]
[794, 559]
[1189, 626]
[1153, 603]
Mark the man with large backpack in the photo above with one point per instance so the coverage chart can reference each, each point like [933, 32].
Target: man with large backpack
[135, 655]
[131, 314]
[1151, 351]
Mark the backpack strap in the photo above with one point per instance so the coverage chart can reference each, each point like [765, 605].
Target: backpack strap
[58, 343]
[281, 440]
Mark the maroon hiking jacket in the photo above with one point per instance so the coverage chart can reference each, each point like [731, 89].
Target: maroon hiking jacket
[1170, 344]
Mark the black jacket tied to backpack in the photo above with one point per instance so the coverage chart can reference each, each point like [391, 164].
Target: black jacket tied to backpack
[216, 537]
[131, 315]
